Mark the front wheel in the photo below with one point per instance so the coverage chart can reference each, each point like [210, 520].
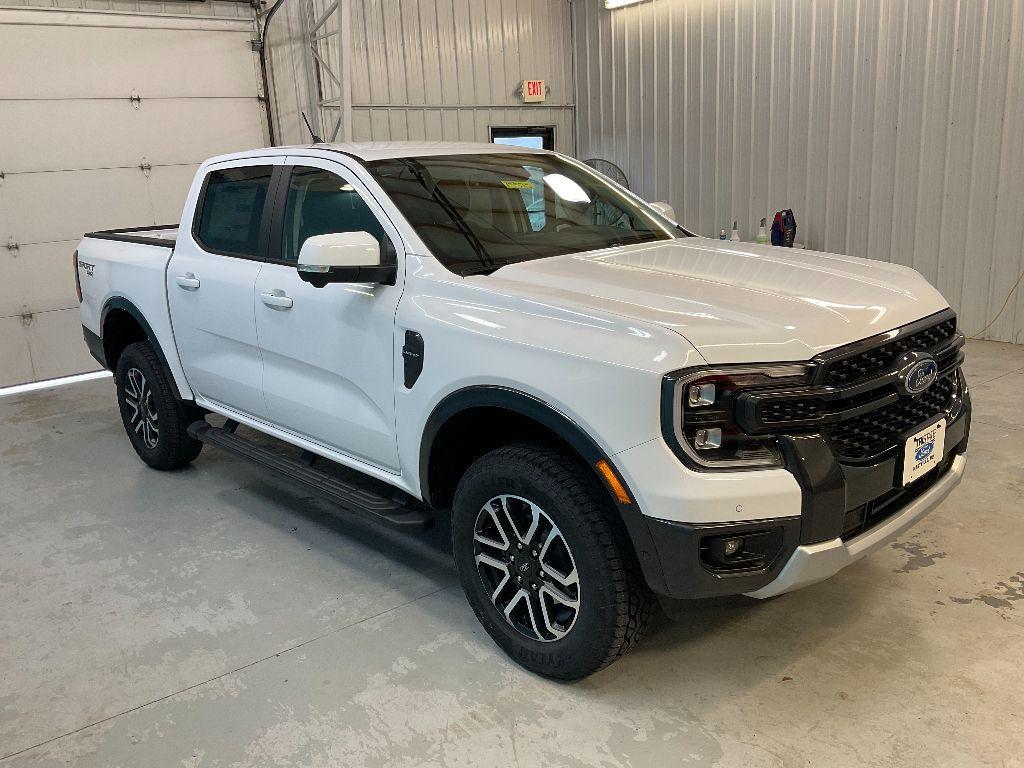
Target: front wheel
[546, 563]
[156, 423]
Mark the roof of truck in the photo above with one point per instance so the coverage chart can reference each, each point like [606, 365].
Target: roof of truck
[384, 150]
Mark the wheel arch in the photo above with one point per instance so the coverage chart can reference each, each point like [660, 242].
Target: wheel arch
[456, 434]
[121, 324]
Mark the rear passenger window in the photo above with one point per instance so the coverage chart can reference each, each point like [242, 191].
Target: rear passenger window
[232, 208]
[320, 203]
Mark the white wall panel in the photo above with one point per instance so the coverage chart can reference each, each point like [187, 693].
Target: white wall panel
[892, 127]
[432, 69]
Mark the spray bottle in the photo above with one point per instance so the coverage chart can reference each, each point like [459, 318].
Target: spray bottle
[762, 232]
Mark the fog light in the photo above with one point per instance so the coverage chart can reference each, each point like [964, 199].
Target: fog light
[708, 439]
[733, 547]
[700, 394]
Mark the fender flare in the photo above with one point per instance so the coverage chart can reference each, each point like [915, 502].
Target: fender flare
[124, 305]
[572, 433]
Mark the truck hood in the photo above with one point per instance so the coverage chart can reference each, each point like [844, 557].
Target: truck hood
[734, 302]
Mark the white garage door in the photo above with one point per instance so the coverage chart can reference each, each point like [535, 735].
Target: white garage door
[103, 120]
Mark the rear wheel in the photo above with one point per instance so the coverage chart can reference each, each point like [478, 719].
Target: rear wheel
[546, 563]
[156, 422]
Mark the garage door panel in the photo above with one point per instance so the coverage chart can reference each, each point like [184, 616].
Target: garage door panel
[71, 142]
[15, 363]
[41, 279]
[56, 344]
[111, 63]
[45, 207]
[84, 133]
[11, 293]
[168, 188]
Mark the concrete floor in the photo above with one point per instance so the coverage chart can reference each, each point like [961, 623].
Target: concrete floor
[211, 618]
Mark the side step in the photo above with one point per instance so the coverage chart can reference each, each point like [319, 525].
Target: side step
[392, 512]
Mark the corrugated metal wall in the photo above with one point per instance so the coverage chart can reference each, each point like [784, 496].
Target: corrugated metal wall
[433, 69]
[893, 128]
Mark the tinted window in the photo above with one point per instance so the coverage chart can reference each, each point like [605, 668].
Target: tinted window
[478, 213]
[233, 208]
[319, 203]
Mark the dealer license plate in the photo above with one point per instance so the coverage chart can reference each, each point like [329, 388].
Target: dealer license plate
[923, 451]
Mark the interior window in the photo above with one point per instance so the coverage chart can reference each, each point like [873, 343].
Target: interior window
[233, 208]
[318, 203]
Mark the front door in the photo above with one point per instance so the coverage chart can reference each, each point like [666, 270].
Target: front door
[328, 353]
[210, 281]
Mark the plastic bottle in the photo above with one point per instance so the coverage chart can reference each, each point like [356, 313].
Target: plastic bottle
[735, 232]
[762, 232]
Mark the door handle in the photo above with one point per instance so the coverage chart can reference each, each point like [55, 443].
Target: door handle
[188, 281]
[277, 299]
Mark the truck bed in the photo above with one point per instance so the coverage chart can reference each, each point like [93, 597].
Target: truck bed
[164, 235]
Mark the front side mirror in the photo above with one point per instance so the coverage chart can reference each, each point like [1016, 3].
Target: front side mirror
[343, 257]
[666, 210]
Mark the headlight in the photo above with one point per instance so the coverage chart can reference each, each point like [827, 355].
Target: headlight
[699, 419]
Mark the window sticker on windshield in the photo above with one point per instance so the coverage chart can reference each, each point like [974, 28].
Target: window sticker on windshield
[516, 184]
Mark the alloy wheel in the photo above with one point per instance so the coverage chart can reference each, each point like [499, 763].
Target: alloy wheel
[138, 396]
[527, 567]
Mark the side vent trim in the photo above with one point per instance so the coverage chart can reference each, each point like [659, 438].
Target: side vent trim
[412, 355]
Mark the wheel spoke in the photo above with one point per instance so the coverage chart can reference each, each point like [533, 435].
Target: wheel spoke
[505, 542]
[559, 596]
[497, 565]
[565, 579]
[553, 627]
[131, 387]
[531, 608]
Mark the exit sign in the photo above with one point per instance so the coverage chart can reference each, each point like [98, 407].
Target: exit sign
[534, 90]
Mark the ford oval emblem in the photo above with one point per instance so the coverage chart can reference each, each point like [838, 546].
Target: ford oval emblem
[924, 451]
[919, 376]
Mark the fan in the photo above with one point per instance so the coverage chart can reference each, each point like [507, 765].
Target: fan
[609, 169]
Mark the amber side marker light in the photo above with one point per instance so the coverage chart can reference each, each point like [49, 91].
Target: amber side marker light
[605, 470]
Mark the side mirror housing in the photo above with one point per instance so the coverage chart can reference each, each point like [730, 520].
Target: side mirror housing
[344, 257]
[666, 210]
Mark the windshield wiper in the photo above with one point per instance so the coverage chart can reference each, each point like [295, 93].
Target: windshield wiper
[427, 181]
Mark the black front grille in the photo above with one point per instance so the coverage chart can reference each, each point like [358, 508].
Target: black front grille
[784, 411]
[865, 365]
[875, 432]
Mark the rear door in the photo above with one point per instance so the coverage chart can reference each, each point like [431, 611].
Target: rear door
[329, 355]
[210, 283]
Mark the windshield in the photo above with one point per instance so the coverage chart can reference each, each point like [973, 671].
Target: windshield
[478, 213]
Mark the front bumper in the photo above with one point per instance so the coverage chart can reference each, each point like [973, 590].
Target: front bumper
[835, 514]
[811, 563]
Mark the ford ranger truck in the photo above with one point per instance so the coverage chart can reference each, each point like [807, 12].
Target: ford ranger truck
[607, 407]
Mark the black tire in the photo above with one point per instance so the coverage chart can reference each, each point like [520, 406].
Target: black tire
[615, 604]
[157, 428]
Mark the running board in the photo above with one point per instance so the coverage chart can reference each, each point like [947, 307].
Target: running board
[393, 512]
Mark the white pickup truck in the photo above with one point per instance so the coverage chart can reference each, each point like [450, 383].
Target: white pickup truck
[609, 407]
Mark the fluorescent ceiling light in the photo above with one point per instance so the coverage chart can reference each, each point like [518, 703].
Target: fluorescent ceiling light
[50, 383]
[566, 188]
[620, 3]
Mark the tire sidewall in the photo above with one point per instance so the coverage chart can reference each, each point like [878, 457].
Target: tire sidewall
[577, 653]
